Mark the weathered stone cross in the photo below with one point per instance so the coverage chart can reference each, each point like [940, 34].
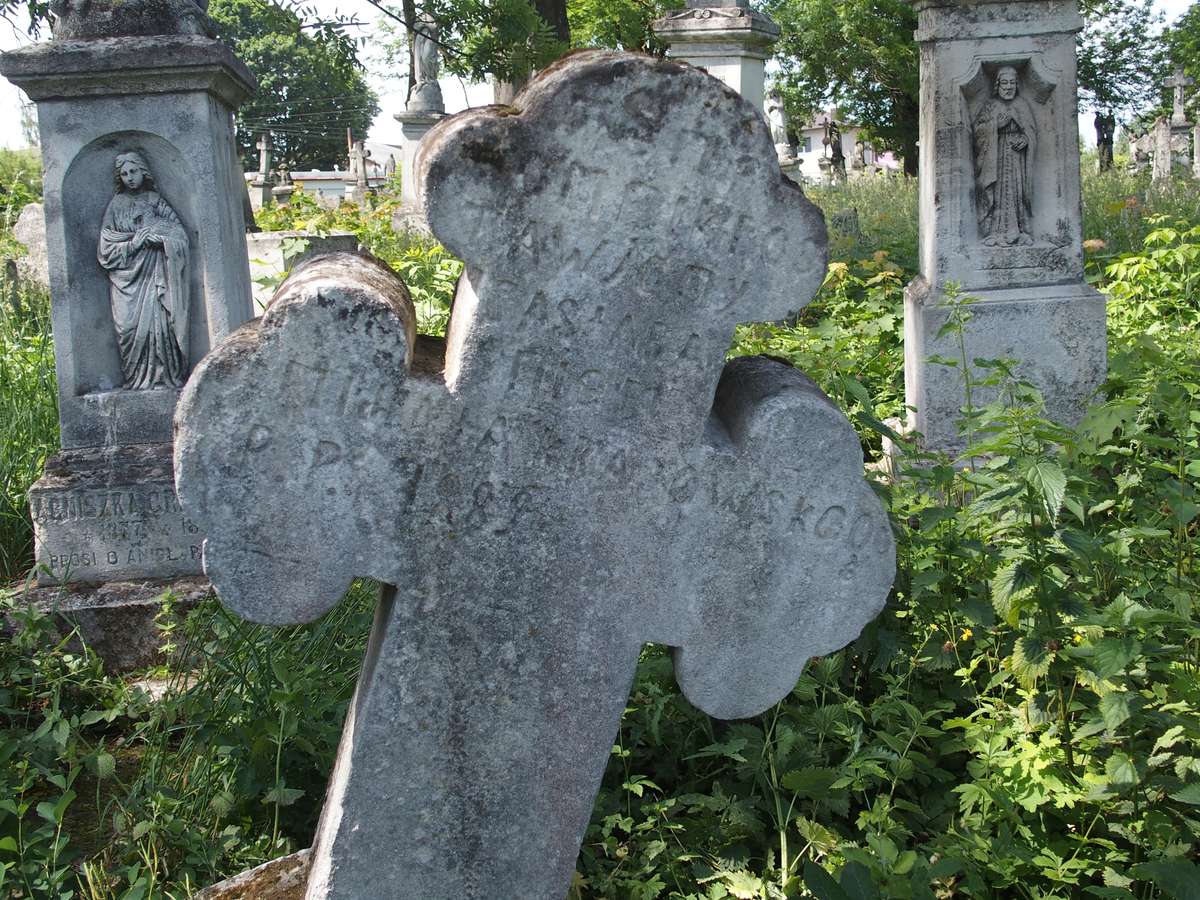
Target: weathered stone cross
[575, 473]
[1179, 82]
[264, 155]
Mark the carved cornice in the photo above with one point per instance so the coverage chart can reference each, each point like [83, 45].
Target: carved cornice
[722, 12]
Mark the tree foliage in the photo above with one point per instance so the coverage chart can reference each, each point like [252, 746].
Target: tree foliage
[857, 54]
[1120, 68]
[498, 40]
[310, 86]
[618, 24]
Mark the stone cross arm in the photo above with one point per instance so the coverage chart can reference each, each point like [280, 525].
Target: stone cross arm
[575, 472]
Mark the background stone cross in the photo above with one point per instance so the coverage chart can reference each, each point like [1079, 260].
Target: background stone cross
[264, 155]
[1179, 82]
[574, 473]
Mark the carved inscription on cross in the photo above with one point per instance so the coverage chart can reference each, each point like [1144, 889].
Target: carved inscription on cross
[1179, 82]
[576, 472]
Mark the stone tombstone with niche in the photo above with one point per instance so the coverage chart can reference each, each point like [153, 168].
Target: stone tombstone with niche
[148, 269]
[1000, 210]
[727, 38]
[573, 472]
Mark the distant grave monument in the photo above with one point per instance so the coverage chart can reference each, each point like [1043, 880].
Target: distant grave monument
[727, 38]
[147, 266]
[1000, 210]
[1173, 154]
[423, 109]
[357, 186]
[262, 187]
[574, 472]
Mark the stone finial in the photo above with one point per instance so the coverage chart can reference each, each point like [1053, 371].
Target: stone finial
[574, 472]
[91, 19]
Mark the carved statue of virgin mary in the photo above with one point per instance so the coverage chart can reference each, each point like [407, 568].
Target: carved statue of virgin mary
[144, 248]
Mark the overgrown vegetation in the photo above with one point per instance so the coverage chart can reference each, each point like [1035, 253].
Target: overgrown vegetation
[1022, 720]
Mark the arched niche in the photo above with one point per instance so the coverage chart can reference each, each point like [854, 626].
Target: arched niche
[87, 188]
[1038, 89]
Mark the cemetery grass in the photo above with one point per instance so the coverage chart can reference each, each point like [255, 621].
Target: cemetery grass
[1022, 720]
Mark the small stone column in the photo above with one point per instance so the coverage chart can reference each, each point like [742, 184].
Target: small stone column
[1000, 210]
[148, 269]
[726, 38]
[1162, 163]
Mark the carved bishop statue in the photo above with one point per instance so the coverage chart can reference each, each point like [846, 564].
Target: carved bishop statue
[574, 472]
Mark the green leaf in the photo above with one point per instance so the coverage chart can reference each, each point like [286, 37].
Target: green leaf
[1189, 794]
[284, 796]
[1030, 660]
[1120, 770]
[1102, 421]
[731, 749]
[810, 782]
[742, 885]
[1051, 485]
[1111, 655]
[1114, 708]
[1011, 583]
[1177, 878]
[821, 885]
[856, 882]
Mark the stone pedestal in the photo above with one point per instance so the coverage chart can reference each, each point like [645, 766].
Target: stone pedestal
[105, 509]
[1000, 210]
[118, 620]
[262, 193]
[414, 125]
[726, 38]
[110, 514]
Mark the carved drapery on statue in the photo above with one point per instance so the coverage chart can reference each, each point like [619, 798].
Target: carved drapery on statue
[144, 248]
[426, 93]
[1004, 136]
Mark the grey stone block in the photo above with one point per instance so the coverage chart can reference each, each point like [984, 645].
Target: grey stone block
[1057, 336]
[112, 515]
[117, 621]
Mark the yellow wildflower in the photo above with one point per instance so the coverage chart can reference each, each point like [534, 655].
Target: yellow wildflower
[967, 634]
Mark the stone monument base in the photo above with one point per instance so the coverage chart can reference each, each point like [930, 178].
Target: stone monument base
[414, 125]
[111, 417]
[117, 620]
[1057, 334]
[111, 514]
